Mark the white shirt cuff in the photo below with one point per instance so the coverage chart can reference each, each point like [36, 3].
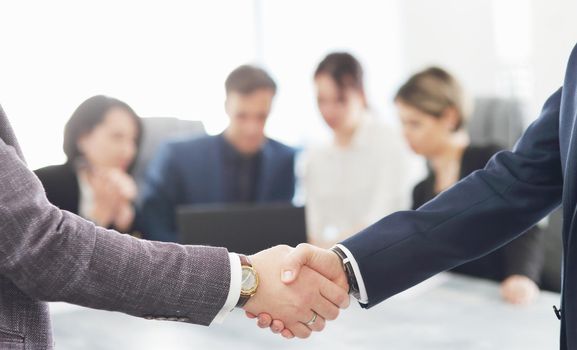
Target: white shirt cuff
[233, 292]
[360, 282]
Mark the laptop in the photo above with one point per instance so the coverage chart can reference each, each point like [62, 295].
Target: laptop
[245, 229]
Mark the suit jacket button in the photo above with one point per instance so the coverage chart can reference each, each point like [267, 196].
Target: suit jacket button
[161, 318]
[173, 318]
[184, 319]
[148, 317]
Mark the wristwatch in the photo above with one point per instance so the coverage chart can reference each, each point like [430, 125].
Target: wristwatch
[249, 282]
[348, 267]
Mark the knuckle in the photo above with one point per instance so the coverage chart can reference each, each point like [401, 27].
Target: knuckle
[303, 247]
[341, 298]
[343, 283]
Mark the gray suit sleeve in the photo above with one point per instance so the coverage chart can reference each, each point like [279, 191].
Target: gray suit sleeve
[53, 255]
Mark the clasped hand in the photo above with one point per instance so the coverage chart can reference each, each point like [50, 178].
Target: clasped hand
[300, 289]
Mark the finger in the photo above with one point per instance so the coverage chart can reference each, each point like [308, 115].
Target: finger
[293, 263]
[319, 324]
[250, 315]
[286, 333]
[508, 298]
[277, 326]
[335, 294]
[515, 299]
[264, 320]
[326, 309]
[323, 261]
[300, 330]
[304, 313]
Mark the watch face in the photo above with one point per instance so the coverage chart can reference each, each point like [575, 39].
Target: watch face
[248, 279]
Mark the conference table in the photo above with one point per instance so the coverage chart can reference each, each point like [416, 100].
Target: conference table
[449, 311]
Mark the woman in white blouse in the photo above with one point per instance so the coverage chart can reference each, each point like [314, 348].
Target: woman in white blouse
[363, 173]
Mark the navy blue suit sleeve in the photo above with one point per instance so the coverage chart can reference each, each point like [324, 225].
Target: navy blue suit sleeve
[156, 215]
[479, 214]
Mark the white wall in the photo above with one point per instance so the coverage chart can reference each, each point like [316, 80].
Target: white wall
[166, 58]
[298, 34]
[554, 36]
[170, 58]
[453, 34]
[500, 47]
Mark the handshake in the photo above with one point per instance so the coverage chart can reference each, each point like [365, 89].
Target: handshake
[299, 289]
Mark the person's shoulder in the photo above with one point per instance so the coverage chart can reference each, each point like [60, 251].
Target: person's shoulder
[178, 153]
[190, 145]
[476, 157]
[315, 157]
[280, 148]
[318, 151]
[422, 192]
[54, 171]
[383, 133]
[192, 141]
[482, 152]
[57, 177]
[424, 184]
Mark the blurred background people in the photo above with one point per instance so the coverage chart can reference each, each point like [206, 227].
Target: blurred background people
[361, 175]
[239, 166]
[101, 142]
[433, 110]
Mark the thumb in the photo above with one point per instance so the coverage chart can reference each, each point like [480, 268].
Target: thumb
[293, 263]
[323, 261]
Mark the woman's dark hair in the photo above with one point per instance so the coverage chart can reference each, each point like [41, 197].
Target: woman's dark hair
[88, 116]
[432, 91]
[344, 69]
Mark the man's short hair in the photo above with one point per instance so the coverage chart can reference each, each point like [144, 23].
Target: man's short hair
[246, 79]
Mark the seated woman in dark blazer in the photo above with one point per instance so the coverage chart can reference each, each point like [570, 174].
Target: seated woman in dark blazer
[101, 142]
[432, 110]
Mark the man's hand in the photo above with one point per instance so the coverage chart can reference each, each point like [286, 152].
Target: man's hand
[519, 290]
[323, 261]
[299, 260]
[296, 302]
